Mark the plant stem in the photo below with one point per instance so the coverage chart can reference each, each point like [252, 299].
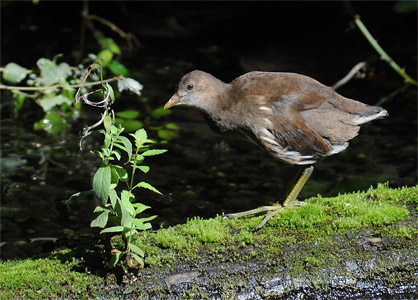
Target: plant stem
[382, 52]
[350, 75]
[41, 88]
[108, 24]
[130, 186]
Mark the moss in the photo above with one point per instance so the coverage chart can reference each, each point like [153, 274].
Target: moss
[302, 241]
[310, 226]
[46, 278]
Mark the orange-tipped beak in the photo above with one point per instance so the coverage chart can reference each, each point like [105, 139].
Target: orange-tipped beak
[173, 101]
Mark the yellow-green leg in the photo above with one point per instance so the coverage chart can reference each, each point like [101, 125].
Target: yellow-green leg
[275, 209]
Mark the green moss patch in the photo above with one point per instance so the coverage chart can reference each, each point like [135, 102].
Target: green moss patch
[300, 242]
[43, 278]
[318, 220]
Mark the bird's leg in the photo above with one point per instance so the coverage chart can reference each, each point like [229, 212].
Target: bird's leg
[275, 209]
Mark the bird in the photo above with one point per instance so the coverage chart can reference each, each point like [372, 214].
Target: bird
[293, 117]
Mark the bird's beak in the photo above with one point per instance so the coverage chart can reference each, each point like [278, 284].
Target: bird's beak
[173, 101]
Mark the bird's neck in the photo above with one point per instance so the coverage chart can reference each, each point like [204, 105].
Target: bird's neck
[217, 100]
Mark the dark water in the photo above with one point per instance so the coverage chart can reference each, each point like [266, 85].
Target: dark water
[202, 174]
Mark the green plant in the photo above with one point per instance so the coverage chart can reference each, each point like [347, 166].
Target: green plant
[382, 52]
[121, 209]
[52, 85]
[118, 212]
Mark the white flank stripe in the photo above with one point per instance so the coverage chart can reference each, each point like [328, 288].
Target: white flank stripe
[362, 120]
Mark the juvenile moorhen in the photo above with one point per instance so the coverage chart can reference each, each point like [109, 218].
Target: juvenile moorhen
[293, 117]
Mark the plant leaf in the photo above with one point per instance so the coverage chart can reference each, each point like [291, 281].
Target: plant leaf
[101, 183]
[138, 259]
[20, 100]
[144, 220]
[141, 225]
[121, 172]
[49, 102]
[144, 169]
[166, 134]
[52, 123]
[116, 153]
[129, 125]
[140, 137]
[128, 232]
[105, 57]
[112, 229]
[115, 258]
[154, 152]
[126, 201]
[101, 219]
[14, 73]
[122, 213]
[113, 198]
[111, 92]
[136, 249]
[51, 72]
[128, 114]
[148, 186]
[172, 126]
[130, 85]
[107, 123]
[140, 207]
[79, 194]
[160, 112]
[108, 43]
[127, 144]
[114, 177]
[137, 159]
[117, 68]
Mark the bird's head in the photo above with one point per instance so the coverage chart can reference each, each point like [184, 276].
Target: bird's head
[198, 89]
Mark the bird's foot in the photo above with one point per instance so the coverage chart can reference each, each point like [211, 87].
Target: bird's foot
[277, 208]
[271, 212]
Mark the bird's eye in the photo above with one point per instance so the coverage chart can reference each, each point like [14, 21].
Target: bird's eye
[190, 86]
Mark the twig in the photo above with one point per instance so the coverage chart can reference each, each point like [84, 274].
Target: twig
[30, 88]
[392, 95]
[104, 103]
[108, 24]
[34, 95]
[350, 75]
[382, 52]
[51, 87]
[87, 130]
[129, 37]
[83, 81]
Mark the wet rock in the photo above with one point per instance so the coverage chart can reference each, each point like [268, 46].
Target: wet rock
[386, 273]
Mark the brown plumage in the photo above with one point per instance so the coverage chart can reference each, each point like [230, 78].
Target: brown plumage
[293, 117]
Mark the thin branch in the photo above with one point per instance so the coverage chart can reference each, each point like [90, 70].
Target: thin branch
[51, 87]
[83, 81]
[29, 88]
[104, 103]
[350, 75]
[392, 95]
[129, 37]
[108, 24]
[382, 52]
[104, 114]
[34, 95]
[87, 130]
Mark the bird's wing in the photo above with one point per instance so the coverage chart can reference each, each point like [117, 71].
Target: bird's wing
[281, 129]
[300, 91]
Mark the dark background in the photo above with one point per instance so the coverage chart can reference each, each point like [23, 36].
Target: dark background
[318, 39]
[203, 174]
